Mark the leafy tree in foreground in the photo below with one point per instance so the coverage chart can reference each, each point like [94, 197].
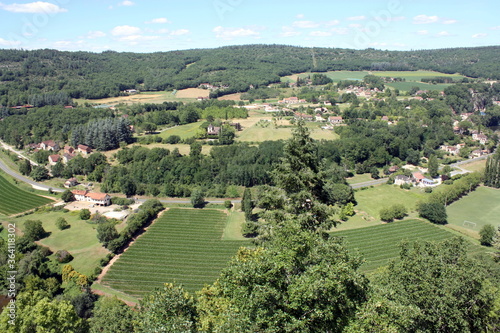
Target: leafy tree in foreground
[25, 167]
[247, 204]
[39, 173]
[451, 292]
[168, 310]
[111, 315]
[300, 282]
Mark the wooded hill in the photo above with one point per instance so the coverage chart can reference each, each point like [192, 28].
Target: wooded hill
[51, 77]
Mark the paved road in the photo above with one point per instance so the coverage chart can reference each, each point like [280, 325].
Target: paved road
[34, 184]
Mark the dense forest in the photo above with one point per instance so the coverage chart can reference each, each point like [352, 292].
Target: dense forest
[50, 77]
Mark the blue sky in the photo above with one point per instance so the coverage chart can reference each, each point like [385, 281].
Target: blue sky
[147, 26]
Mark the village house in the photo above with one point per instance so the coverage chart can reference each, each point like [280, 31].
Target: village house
[476, 153]
[67, 157]
[69, 150]
[483, 139]
[85, 150]
[393, 168]
[102, 199]
[292, 100]
[453, 150]
[71, 182]
[303, 116]
[336, 120]
[319, 118]
[49, 145]
[131, 91]
[270, 108]
[402, 179]
[53, 159]
[213, 130]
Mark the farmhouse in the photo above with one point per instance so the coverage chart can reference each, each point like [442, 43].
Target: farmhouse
[102, 199]
[85, 150]
[213, 130]
[131, 91]
[303, 116]
[483, 139]
[335, 120]
[292, 100]
[49, 145]
[402, 179]
[71, 182]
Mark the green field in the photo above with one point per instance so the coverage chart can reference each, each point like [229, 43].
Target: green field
[14, 200]
[371, 200]
[183, 246]
[480, 207]
[184, 131]
[259, 134]
[79, 239]
[379, 244]
[412, 78]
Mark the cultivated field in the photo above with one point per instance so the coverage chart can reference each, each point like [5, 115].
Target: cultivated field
[184, 131]
[14, 200]
[257, 133]
[379, 244]
[412, 78]
[183, 246]
[192, 93]
[479, 208]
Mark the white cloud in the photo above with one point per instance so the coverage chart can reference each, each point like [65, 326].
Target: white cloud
[425, 19]
[125, 30]
[355, 25]
[305, 24]
[33, 7]
[137, 38]
[159, 20]
[357, 18]
[423, 32]
[179, 32]
[450, 21]
[95, 34]
[300, 16]
[443, 34]
[320, 33]
[4, 42]
[289, 32]
[340, 31]
[332, 22]
[229, 33]
[127, 3]
[479, 35]
[495, 28]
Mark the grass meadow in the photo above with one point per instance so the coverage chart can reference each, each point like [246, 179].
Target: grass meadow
[480, 207]
[80, 239]
[13, 200]
[185, 246]
[371, 200]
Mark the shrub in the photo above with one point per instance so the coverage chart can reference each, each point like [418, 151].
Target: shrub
[228, 204]
[61, 223]
[63, 256]
[85, 214]
[487, 235]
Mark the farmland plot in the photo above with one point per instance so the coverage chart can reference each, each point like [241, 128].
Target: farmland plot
[14, 200]
[379, 244]
[183, 246]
